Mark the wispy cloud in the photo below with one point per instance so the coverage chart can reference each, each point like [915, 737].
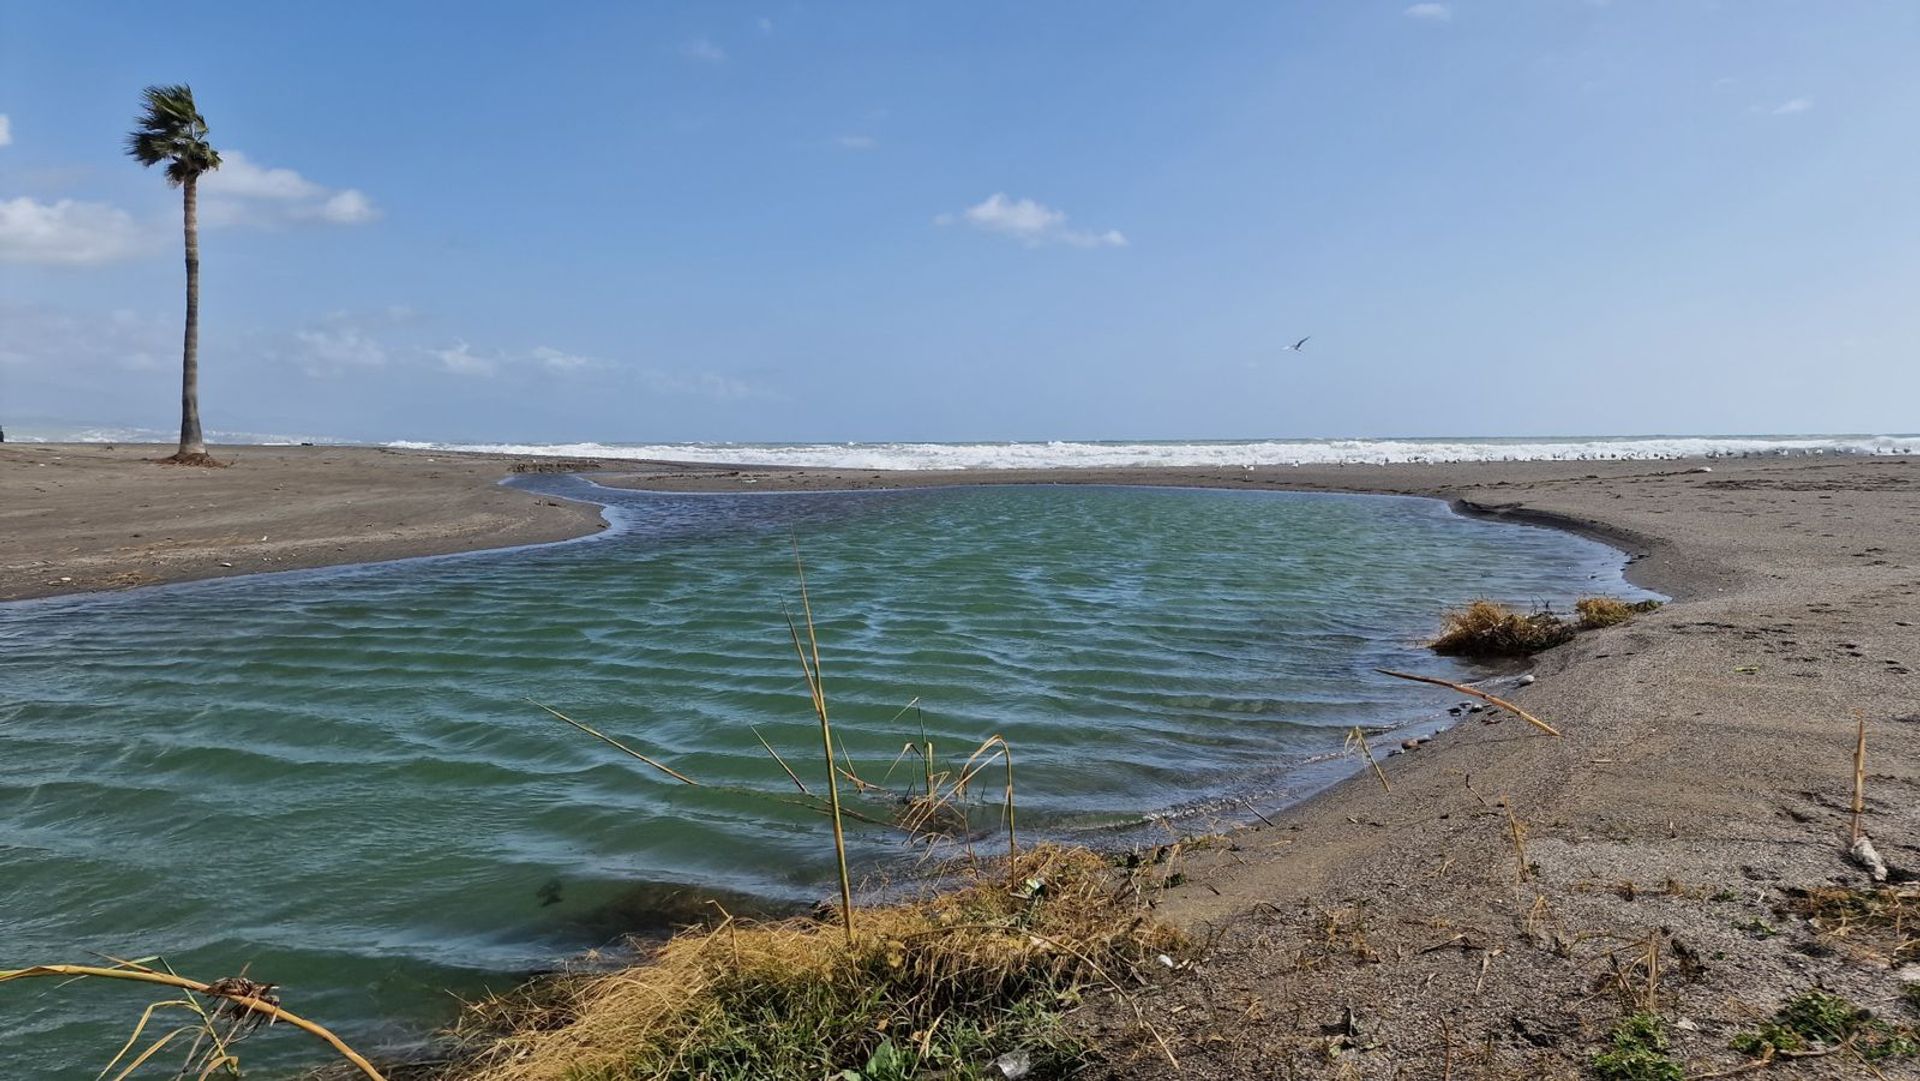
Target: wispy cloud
[6, 130]
[764, 25]
[855, 142]
[1433, 13]
[702, 50]
[87, 346]
[459, 359]
[244, 192]
[332, 350]
[556, 360]
[1030, 223]
[1796, 105]
[69, 233]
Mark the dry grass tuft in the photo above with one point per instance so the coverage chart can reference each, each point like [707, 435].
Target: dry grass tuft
[1597, 612]
[945, 983]
[1490, 629]
[1487, 628]
[1880, 924]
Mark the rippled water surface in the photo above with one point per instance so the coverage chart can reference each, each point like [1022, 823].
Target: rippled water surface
[336, 777]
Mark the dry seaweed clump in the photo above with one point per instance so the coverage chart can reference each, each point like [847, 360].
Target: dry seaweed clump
[1490, 629]
[1597, 612]
[945, 985]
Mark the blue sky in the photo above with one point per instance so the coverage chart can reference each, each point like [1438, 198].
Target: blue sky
[813, 221]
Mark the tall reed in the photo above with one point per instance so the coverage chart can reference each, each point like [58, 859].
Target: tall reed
[819, 696]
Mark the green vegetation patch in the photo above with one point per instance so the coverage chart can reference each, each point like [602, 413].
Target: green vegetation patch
[1817, 1019]
[1637, 1051]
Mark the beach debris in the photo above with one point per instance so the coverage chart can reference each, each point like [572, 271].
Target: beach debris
[1863, 854]
[1464, 689]
[1012, 1066]
[1359, 737]
[1525, 681]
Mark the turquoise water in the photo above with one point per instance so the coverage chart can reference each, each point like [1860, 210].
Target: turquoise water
[336, 778]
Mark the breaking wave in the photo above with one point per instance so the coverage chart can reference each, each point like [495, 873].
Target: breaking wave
[1058, 454]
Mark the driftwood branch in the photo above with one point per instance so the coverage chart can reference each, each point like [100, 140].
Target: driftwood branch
[1463, 689]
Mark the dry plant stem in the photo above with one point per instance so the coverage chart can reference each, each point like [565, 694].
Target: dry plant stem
[818, 691]
[1519, 834]
[616, 744]
[168, 980]
[1360, 737]
[791, 776]
[1859, 775]
[1484, 696]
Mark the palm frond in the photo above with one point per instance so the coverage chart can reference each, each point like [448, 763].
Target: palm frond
[170, 129]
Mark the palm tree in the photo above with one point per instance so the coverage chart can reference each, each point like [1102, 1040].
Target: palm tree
[172, 130]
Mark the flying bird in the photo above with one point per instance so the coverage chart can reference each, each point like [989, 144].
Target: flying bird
[1295, 347]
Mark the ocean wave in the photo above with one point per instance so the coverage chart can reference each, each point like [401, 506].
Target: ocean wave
[1059, 454]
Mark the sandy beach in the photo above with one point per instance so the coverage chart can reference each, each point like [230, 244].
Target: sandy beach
[84, 516]
[1703, 777]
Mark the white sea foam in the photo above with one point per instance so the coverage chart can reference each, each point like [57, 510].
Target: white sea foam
[36, 434]
[1218, 454]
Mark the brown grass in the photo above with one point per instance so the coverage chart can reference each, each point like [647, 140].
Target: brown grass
[1880, 924]
[942, 983]
[1489, 629]
[1597, 612]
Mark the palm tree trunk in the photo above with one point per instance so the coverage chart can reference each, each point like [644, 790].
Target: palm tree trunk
[191, 442]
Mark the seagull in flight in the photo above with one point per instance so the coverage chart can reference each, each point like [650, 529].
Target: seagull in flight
[1295, 347]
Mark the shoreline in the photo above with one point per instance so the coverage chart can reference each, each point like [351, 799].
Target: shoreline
[1703, 777]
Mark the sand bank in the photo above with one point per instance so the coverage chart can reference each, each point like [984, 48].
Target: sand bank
[80, 517]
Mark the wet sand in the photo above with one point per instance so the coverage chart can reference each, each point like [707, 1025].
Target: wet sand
[1704, 775]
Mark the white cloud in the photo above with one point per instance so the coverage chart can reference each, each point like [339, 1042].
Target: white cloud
[244, 192]
[6, 130]
[1031, 223]
[706, 52]
[349, 207]
[68, 233]
[855, 142]
[1797, 105]
[765, 24]
[1433, 13]
[558, 361]
[459, 359]
[331, 350]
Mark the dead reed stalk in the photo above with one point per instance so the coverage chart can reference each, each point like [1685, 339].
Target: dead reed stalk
[616, 744]
[1360, 737]
[259, 1006]
[1859, 775]
[1482, 695]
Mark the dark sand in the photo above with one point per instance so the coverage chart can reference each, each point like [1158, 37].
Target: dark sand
[1705, 773]
[80, 517]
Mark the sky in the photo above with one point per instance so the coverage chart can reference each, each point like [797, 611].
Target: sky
[792, 221]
